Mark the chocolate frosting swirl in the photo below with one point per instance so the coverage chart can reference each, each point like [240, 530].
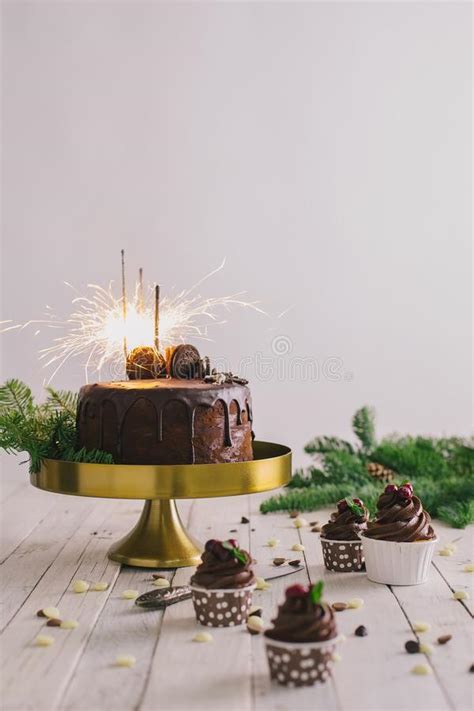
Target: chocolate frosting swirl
[214, 573]
[398, 519]
[300, 620]
[345, 525]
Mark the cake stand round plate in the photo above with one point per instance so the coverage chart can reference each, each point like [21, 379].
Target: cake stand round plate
[159, 539]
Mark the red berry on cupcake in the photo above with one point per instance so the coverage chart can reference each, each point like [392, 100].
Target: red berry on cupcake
[405, 492]
[342, 506]
[296, 590]
[390, 489]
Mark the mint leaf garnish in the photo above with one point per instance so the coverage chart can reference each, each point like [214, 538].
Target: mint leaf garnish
[355, 508]
[317, 592]
[236, 552]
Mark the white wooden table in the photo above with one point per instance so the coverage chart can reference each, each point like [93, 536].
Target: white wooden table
[49, 540]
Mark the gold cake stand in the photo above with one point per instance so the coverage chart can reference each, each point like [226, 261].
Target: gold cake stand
[159, 539]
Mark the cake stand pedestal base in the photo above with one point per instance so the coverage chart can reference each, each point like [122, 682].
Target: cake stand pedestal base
[159, 540]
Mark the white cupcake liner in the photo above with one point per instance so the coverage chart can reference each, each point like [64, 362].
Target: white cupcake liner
[224, 607]
[343, 556]
[300, 663]
[396, 563]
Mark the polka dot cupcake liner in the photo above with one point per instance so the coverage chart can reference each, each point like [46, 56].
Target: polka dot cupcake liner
[294, 664]
[343, 556]
[222, 608]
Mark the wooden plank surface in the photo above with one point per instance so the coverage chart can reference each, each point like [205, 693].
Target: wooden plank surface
[51, 540]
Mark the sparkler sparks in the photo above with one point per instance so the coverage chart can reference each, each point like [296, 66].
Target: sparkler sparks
[95, 330]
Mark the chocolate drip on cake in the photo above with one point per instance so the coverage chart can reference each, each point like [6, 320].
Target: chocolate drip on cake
[168, 421]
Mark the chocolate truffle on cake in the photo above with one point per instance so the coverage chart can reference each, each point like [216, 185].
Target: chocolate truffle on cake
[145, 363]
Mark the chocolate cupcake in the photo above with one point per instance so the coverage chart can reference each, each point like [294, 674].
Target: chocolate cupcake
[222, 585]
[301, 645]
[340, 537]
[399, 544]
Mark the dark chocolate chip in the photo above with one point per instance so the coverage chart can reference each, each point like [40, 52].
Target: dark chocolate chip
[294, 514]
[40, 613]
[279, 561]
[294, 563]
[339, 606]
[444, 638]
[158, 576]
[53, 622]
[244, 519]
[361, 631]
[233, 530]
[412, 646]
[471, 668]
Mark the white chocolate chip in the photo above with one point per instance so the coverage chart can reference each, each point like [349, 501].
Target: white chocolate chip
[202, 637]
[130, 594]
[461, 595]
[161, 583]
[445, 552]
[99, 587]
[255, 623]
[297, 547]
[342, 638]
[125, 660]
[421, 626]
[273, 542]
[262, 584]
[426, 649]
[299, 522]
[336, 657]
[451, 547]
[469, 568]
[421, 669]
[355, 603]
[51, 612]
[44, 640]
[80, 586]
[69, 624]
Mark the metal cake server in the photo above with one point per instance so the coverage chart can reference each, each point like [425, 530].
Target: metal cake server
[159, 599]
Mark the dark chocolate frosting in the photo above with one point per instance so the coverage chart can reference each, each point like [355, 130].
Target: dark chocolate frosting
[400, 519]
[223, 571]
[345, 525]
[300, 620]
[132, 419]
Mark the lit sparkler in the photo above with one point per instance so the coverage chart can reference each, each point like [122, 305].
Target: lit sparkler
[96, 329]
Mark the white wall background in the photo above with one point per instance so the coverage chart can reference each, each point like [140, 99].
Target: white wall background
[324, 148]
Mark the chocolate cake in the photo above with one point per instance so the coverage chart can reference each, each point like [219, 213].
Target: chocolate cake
[167, 421]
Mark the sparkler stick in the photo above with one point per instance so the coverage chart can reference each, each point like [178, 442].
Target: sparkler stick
[124, 306]
[141, 297]
[157, 317]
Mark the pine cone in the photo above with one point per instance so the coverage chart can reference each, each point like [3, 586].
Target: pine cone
[381, 473]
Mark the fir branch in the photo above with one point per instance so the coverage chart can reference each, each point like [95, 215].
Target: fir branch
[15, 396]
[363, 424]
[46, 431]
[321, 445]
[62, 400]
[440, 469]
